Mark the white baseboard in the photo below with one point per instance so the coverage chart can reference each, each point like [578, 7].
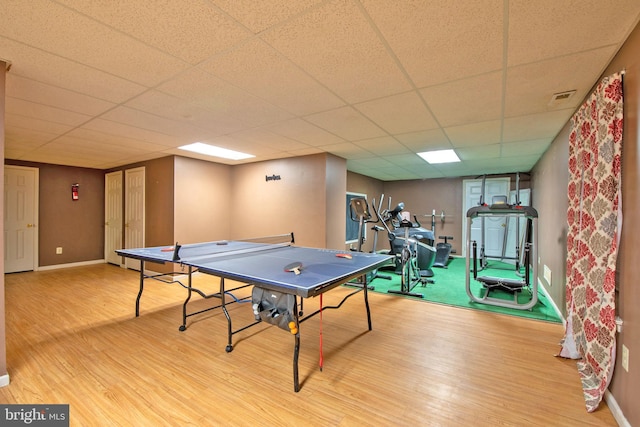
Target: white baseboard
[71, 264]
[551, 301]
[615, 409]
[4, 380]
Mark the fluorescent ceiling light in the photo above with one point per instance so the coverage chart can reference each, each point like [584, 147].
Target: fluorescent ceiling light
[211, 150]
[440, 156]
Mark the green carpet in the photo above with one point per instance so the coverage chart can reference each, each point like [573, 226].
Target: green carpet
[449, 288]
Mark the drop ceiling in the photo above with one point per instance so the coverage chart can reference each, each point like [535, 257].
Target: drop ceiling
[101, 84]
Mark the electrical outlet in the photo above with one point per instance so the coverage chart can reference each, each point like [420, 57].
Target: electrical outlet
[58, 250]
[547, 274]
[625, 358]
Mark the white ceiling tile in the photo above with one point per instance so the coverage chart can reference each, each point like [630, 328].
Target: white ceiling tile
[28, 109]
[130, 131]
[409, 160]
[265, 13]
[303, 131]
[49, 69]
[360, 79]
[182, 110]
[424, 140]
[347, 151]
[44, 94]
[347, 55]
[471, 100]
[475, 134]
[191, 33]
[63, 32]
[535, 126]
[401, 113]
[537, 82]
[525, 148]
[259, 69]
[478, 152]
[347, 123]
[220, 97]
[268, 139]
[129, 116]
[16, 121]
[548, 28]
[383, 146]
[114, 140]
[441, 41]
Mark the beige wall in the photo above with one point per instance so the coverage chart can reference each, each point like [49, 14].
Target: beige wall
[202, 205]
[550, 179]
[158, 225]
[294, 203]
[421, 197]
[336, 182]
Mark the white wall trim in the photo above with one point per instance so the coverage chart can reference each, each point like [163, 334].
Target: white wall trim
[615, 409]
[551, 301]
[4, 380]
[71, 264]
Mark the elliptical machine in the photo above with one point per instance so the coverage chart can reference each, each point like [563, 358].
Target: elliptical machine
[359, 212]
[413, 256]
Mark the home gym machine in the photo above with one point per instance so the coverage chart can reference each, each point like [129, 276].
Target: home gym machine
[443, 249]
[514, 286]
[519, 254]
[408, 240]
[359, 212]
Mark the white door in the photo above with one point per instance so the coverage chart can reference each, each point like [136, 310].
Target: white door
[134, 213]
[20, 215]
[113, 217]
[494, 227]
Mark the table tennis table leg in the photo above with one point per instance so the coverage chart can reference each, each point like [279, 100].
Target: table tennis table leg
[183, 327]
[141, 288]
[366, 300]
[296, 352]
[223, 305]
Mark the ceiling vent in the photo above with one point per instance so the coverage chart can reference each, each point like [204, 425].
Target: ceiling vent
[561, 98]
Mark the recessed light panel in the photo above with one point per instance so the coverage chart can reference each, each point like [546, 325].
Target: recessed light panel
[212, 150]
[439, 156]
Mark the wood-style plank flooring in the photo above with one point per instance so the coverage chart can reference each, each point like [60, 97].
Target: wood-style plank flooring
[72, 338]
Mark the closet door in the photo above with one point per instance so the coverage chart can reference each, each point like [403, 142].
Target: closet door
[134, 212]
[113, 217]
[20, 215]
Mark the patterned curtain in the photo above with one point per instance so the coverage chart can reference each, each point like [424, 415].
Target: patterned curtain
[594, 224]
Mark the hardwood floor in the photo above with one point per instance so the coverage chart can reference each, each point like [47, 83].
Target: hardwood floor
[72, 338]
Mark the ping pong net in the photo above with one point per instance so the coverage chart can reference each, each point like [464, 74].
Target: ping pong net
[222, 248]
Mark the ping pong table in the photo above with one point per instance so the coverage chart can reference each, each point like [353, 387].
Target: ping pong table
[262, 265]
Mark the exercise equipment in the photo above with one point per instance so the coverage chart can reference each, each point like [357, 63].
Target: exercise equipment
[359, 212]
[498, 201]
[408, 241]
[443, 252]
[490, 283]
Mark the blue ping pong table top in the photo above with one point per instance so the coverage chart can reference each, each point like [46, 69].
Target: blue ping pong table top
[263, 265]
